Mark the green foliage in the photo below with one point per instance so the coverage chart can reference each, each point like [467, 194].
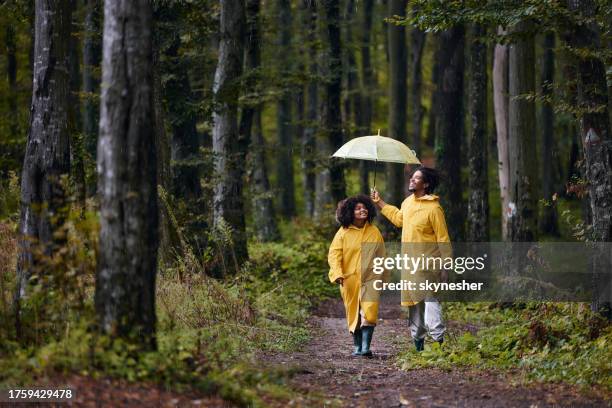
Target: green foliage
[10, 193]
[209, 332]
[547, 341]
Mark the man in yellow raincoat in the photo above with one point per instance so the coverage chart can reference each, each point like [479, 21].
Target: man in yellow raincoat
[424, 233]
[350, 259]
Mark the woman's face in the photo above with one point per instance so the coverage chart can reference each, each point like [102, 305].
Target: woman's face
[361, 212]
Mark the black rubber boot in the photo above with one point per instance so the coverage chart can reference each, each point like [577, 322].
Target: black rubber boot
[367, 332]
[357, 336]
[419, 344]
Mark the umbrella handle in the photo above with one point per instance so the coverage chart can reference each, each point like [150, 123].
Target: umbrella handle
[375, 168]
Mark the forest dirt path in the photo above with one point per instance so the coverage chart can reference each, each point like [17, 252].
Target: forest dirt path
[325, 374]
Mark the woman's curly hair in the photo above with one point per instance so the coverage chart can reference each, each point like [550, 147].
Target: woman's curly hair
[345, 213]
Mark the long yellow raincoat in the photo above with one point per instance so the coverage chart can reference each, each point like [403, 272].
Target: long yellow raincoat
[423, 223]
[345, 256]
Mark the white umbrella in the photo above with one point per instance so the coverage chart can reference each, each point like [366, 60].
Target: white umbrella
[377, 148]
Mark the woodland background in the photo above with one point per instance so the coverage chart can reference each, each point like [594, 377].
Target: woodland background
[167, 193]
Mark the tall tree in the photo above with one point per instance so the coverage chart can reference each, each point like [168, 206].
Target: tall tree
[47, 156]
[92, 53]
[368, 84]
[449, 127]
[284, 161]
[333, 118]
[548, 220]
[11, 73]
[228, 207]
[417, 45]
[523, 180]
[162, 152]
[181, 102]
[127, 262]
[312, 96]
[478, 200]
[76, 126]
[398, 65]
[595, 136]
[500, 104]
[352, 103]
[430, 137]
[251, 130]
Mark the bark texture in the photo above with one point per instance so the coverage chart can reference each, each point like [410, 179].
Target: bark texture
[478, 199]
[74, 114]
[229, 150]
[548, 222]
[398, 65]
[47, 156]
[333, 117]
[309, 138]
[264, 217]
[127, 179]
[500, 106]
[449, 128]
[597, 146]
[417, 45]
[523, 159]
[368, 84]
[284, 160]
[92, 54]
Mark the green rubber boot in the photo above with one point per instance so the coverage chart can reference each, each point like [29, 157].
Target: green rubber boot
[357, 336]
[367, 332]
[419, 344]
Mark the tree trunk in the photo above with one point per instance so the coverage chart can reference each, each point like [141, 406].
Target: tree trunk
[397, 98]
[264, 215]
[162, 145]
[596, 141]
[353, 97]
[478, 201]
[47, 156]
[11, 71]
[367, 86]
[228, 147]
[76, 125]
[500, 103]
[264, 219]
[333, 119]
[417, 44]
[523, 180]
[92, 53]
[185, 142]
[127, 262]
[449, 128]
[548, 220]
[284, 160]
[310, 131]
[430, 137]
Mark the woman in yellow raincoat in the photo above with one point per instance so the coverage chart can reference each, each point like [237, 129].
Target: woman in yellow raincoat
[350, 258]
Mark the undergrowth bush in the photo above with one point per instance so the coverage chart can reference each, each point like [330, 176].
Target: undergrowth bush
[547, 341]
[209, 332]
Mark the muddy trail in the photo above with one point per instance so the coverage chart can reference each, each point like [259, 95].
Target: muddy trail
[325, 374]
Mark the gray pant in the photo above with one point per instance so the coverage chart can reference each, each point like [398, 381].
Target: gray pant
[426, 316]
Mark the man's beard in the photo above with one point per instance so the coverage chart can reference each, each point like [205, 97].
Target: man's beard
[412, 190]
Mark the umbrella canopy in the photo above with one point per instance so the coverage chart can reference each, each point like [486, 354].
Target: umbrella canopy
[377, 148]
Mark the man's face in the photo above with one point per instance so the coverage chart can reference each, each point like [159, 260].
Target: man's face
[361, 212]
[417, 183]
